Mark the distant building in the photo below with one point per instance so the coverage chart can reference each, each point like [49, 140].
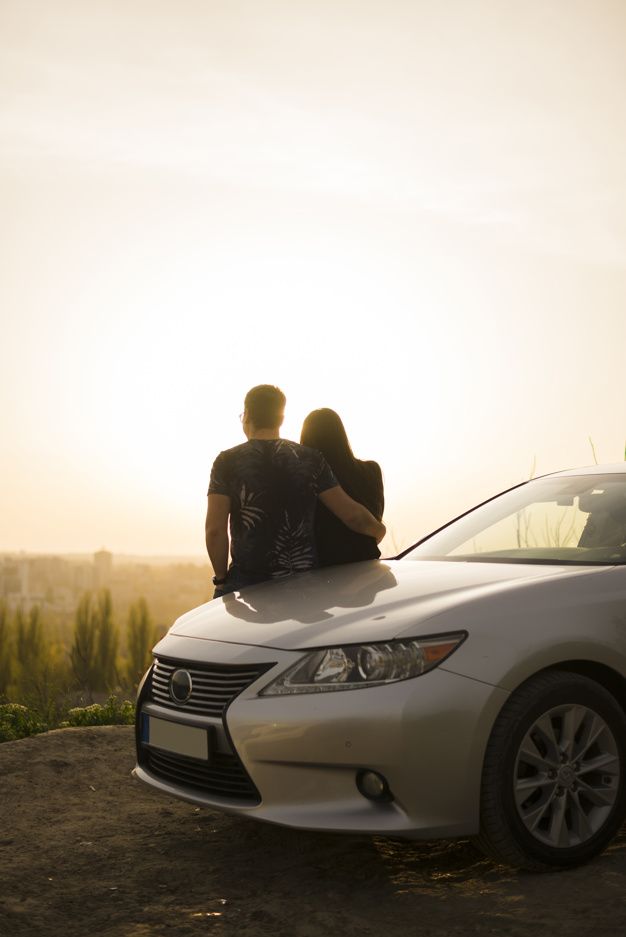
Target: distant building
[83, 577]
[15, 582]
[24, 579]
[102, 569]
[11, 578]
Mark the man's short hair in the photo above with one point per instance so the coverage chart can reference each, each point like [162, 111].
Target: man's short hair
[265, 405]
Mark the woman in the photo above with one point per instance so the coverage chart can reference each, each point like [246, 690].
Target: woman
[363, 481]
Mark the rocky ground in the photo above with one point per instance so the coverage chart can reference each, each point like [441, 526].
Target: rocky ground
[86, 850]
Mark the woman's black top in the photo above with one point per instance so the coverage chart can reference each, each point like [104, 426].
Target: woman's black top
[336, 543]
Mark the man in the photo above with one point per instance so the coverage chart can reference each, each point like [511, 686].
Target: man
[268, 488]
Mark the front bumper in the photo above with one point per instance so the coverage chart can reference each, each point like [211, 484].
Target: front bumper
[301, 753]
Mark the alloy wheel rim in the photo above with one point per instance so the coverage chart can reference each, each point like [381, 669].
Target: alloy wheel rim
[567, 775]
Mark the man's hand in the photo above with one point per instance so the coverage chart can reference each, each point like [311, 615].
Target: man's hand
[354, 515]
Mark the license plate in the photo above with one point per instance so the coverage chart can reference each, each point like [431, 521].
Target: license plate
[174, 737]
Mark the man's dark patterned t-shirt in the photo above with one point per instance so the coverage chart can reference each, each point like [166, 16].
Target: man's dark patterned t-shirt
[273, 485]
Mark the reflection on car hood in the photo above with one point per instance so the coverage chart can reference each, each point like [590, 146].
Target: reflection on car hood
[373, 600]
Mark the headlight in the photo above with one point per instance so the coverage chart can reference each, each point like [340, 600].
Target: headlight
[359, 665]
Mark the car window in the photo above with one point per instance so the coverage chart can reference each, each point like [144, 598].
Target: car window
[573, 519]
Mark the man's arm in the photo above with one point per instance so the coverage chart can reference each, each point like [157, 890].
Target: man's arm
[354, 515]
[216, 530]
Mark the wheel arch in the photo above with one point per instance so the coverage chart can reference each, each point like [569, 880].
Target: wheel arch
[609, 678]
[606, 676]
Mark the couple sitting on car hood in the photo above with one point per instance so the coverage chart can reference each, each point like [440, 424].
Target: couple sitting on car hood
[292, 506]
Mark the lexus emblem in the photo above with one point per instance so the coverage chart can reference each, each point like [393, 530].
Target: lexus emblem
[180, 686]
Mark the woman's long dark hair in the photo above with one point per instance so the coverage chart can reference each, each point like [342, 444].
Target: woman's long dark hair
[323, 430]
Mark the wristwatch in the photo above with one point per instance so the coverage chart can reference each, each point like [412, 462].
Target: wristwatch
[218, 582]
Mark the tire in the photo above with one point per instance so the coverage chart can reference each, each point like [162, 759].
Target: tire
[554, 777]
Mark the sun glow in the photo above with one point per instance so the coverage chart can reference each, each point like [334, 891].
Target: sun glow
[381, 217]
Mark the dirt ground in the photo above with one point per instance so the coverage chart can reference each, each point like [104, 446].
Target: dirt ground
[87, 850]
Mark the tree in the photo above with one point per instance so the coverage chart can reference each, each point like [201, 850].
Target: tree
[141, 637]
[108, 640]
[41, 670]
[5, 650]
[94, 649]
[83, 650]
[30, 641]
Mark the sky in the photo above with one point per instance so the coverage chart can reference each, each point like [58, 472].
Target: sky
[411, 212]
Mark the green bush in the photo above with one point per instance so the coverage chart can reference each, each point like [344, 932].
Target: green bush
[17, 722]
[114, 712]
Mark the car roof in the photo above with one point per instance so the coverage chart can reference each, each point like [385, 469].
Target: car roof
[614, 468]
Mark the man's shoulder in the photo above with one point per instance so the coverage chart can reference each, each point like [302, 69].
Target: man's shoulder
[234, 451]
[296, 447]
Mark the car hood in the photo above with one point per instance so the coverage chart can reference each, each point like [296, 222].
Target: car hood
[359, 602]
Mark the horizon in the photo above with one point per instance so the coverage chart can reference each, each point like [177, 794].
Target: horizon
[116, 557]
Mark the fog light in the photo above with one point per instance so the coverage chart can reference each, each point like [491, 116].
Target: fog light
[373, 786]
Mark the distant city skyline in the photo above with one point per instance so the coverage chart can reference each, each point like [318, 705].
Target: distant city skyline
[56, 584]
[412, 213]
[157, 558]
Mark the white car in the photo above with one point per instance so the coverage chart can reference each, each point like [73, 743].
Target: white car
[474, 686]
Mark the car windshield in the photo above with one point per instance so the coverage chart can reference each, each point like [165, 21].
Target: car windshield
[577, 519]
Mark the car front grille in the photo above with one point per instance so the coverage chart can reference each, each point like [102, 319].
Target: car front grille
[222, 776]
[214, 686]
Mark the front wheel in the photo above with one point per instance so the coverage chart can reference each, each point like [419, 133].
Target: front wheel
[554, 778]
